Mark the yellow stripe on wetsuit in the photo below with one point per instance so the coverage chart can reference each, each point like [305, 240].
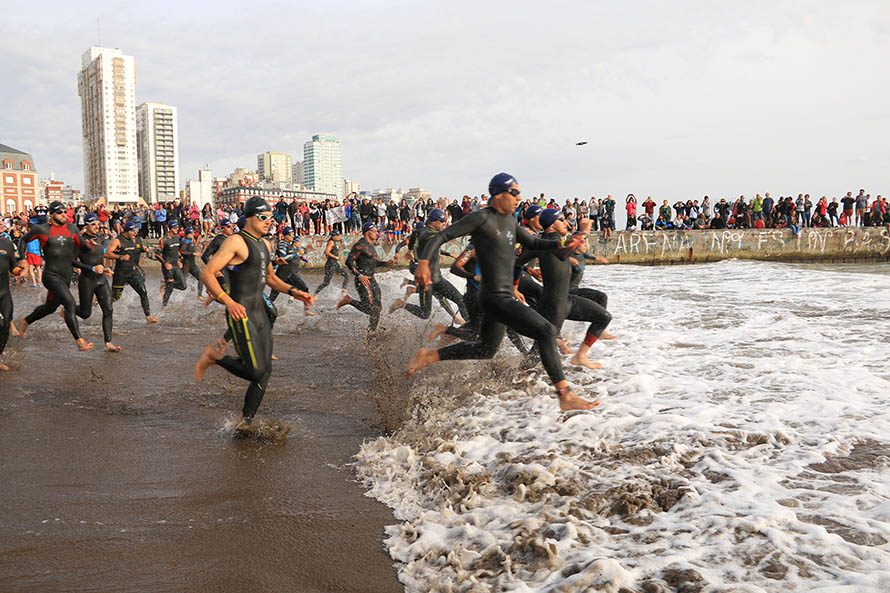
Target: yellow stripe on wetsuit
[249, 343]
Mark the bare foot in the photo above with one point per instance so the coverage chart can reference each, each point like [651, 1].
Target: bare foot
[423, 358]
[344, 300]
[396, 305]
[607, 336]
[221, 344]
[410, 290]
[274, 357]
[208, 358]
[438, 330]
[245, 427]
[21, 329]
[582, 361]
[405, 282]
[83, 345]
[151, 319]
[569, 401]
[4, 367]
[13, 329]
[563, 347]
[458, 320]
[109, 347]
[308, 312]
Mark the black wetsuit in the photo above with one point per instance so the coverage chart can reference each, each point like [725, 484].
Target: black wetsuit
[440, 288]
[187, 250]
[9, 258]
[363, 261]
[597, 296]
[91, 284]
[555, 303]
[173, 278]
[213, 247]
[251, 336]
[495, 236]
[290, 270]
[332, 265]
[129, 272]
[469, 331]
[60, 244]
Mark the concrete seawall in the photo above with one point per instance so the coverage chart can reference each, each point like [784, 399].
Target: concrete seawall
[868, 244]
[837, 245]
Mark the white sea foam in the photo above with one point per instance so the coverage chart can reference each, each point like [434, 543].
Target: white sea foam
[741, 446]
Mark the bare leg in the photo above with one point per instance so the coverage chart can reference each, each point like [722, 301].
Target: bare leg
[208, 358]
[344, 300]
[607, 336]
[22, 329]
[580, 358]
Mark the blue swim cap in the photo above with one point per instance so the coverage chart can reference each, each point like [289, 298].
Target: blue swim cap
[286, 230]
[419, 225]
[435, 215]
[130, 226]
[242, 221]
[532, 211]
[500, 183]
[91, 217]
[173, 223]
[225, 222]
[549, 216]
[367, 227]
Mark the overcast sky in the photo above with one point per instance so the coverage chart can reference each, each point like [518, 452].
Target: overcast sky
[676, 99]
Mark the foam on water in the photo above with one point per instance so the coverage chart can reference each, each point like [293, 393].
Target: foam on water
[741, 446]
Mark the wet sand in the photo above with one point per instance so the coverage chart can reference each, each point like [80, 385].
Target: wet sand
[119, 473]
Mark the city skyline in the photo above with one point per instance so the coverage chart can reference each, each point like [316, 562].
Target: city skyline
[680, 100]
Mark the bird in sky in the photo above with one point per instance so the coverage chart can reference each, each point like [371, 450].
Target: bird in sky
[582, 143]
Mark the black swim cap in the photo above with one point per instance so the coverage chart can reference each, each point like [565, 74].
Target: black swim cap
[256, 205]
[56, 206]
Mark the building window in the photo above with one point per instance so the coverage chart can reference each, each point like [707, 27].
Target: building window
[7, 164]
[26, 165]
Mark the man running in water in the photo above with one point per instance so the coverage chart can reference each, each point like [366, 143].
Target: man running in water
[168, 247]
[226, 230]
[288, 259]
[556, 304]
[332, 250]
[60, 243]
[93, 280]
[363, 262]
[494, 234]
[10, 263]
[125, 250]
[187, 249]
[440, 288]
[250, 271]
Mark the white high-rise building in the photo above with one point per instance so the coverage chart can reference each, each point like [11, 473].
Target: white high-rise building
[201, 189]
[323, 165]
[274, 166]
[158, 152]
[107, 88]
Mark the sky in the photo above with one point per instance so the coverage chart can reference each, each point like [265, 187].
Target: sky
[675, 99]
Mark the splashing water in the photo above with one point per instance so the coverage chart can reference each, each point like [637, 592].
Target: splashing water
[741, 445]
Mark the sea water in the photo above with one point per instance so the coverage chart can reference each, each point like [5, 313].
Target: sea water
[742, 445]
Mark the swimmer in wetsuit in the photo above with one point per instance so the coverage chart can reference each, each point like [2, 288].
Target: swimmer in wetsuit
[168, 254]
[556, 304]
[332, 250]
[579, 263]
[10, 263]
[288, 256]
[126, 250]
[60, 243]
[249, 270]
[363, 263]
[495, 233]
[440, 288]
[187, 249]
[93, 280]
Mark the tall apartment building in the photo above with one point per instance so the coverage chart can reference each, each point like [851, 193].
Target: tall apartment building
[297, 173]
[201, 190]
[274, 166]
[323, 165]
[19, 181]
[158, 152]
[107, 88]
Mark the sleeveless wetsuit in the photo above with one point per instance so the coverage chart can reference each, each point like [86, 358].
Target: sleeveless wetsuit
[363, 261]
[129, 272]
[332, 265]
[91, 283]
[251, 336]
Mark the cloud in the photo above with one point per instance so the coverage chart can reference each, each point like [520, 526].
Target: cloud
[676, 100]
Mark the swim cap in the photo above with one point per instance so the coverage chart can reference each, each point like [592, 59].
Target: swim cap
[225, 222]
[90, 218]
[367, 227]
[336, 233]
[435, 215]
[242, 220]
[500, 183]
[256, 205]
[56, 206]
[549, 216]
[286, 230]
[173, 223]
[419, 225]
[130, 226]
[532, 211]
